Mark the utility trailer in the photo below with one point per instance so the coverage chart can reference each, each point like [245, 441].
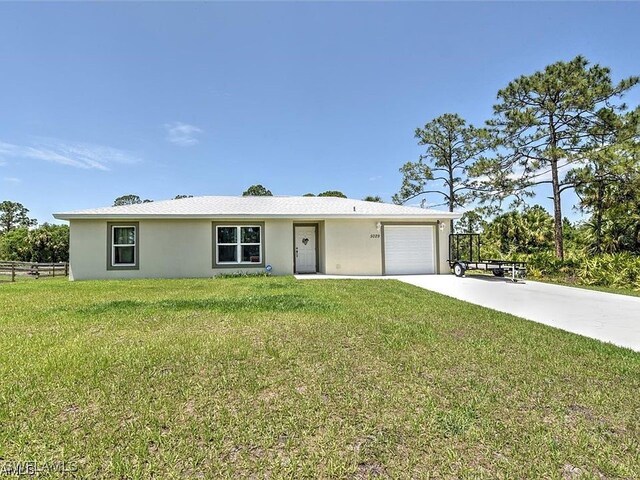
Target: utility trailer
[464, 254]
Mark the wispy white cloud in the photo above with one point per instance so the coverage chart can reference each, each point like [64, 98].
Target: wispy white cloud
[182, 134]
[375, 177]
[11, 180]
[79, 155]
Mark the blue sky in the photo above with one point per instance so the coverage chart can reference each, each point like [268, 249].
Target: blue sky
[100, 100]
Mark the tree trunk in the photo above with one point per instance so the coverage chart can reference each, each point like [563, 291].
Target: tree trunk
[598, 215]
[636, 237]
[451, 193]
[557, 210]
[555, 180]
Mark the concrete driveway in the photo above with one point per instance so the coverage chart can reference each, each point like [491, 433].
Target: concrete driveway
[604, 316]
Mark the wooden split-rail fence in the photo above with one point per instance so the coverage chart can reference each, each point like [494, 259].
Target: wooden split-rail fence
[33, 269]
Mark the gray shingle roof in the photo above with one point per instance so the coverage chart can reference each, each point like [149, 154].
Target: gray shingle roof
[257, 207]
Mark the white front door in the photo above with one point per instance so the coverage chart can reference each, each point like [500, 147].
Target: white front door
[305, 249]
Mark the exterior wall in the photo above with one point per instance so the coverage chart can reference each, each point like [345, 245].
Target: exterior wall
[443, 239]
[170, 249]
[279, 246]
[354, 247]
[322, 248]
[184, 248]
[350, 248]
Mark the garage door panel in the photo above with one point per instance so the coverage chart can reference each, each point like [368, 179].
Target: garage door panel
[409, 249]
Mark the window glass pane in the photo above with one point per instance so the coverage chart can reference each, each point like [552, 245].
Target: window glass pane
[124, 235]
[227, 253]
[251, 253]
[227, 235]
[123, 255]
[250, 235]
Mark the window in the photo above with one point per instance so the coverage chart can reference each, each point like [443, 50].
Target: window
[238, 244]
[123, 246]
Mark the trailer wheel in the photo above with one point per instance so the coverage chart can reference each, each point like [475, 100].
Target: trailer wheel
[458, 270]
[498, 272]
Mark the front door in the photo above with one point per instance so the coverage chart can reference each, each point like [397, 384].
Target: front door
[305, 249]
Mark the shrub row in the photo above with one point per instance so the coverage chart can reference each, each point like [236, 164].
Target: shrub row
[620, 270]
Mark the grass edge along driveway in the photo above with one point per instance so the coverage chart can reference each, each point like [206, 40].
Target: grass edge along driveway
[273, 377]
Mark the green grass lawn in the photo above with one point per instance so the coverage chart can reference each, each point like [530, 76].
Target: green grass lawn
[283, 378]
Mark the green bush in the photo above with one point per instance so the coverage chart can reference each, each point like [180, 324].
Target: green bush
[47, 243]
[241, 274]
[15, 246]
[610, 270]
[620, 270]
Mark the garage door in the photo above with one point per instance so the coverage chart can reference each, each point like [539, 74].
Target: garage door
[409, 249]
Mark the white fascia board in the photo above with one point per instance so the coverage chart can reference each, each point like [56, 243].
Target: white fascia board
[89, 216]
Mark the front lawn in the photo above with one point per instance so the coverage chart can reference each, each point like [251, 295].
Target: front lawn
[286, 378]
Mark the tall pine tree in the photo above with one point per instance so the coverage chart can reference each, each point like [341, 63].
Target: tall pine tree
[543, 122]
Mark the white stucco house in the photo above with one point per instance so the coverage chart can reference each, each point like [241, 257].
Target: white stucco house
[206, 236]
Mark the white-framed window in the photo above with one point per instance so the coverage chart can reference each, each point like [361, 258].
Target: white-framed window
[123, 245]
[238, 244]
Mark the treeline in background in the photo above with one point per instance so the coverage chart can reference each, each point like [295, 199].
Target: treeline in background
[608, 258]
[23, 240]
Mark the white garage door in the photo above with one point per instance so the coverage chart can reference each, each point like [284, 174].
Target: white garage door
[409, 249]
